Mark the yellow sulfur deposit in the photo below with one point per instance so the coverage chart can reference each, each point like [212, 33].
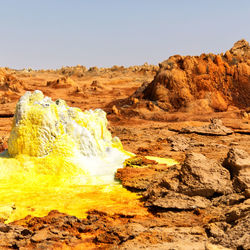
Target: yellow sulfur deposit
[51, 138]
[61, 158]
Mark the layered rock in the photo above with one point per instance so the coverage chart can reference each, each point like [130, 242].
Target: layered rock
[214, 128]
[212, 81]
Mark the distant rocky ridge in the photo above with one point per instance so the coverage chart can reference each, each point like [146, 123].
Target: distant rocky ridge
[80, 70]
[212, 81]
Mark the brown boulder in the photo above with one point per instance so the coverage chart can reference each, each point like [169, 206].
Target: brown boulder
[120, 233]
[240, 48]
[41, 235]
[179, 142]
[234, 236]
[190, 187]
[202, 176]
[218, 102]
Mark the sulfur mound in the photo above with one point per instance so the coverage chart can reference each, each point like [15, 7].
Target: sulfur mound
[215, 81]
[52, 138]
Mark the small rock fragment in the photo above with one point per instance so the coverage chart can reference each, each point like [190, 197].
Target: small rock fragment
[41, 235]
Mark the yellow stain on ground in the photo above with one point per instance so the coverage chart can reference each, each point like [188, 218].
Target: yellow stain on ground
[18, 201]
[167, 161]
[32, 186]
[60, 158]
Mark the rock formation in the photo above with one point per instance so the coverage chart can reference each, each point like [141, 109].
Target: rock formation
[238, 162]
[63, 82]
[214, 128]
[10, 82]
[198, 185]
[213, 81]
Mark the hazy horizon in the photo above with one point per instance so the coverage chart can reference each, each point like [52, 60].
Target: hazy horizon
[51, 34]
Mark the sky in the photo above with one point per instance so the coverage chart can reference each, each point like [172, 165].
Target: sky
[54, 33]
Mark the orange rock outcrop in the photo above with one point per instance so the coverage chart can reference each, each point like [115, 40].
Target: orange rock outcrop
[213, 81]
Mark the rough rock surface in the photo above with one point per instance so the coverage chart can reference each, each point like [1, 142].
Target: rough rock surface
[233, 236]
[179, 143]
[204, 177]
[137, 178]
[41, 233]
[165, 230]
[201, 184]
[214, 128]
[163, 198]
[139, 173]
[214, 81]
[198, 176]
[238, 163]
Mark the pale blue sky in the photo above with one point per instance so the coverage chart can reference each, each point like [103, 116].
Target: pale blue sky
[55, 33]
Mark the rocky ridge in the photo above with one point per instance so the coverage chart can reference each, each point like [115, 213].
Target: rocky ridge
[208, 80]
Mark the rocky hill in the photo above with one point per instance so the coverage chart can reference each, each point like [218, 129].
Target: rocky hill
[212, 81]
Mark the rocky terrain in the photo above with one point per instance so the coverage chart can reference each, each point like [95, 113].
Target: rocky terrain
[194, 109]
